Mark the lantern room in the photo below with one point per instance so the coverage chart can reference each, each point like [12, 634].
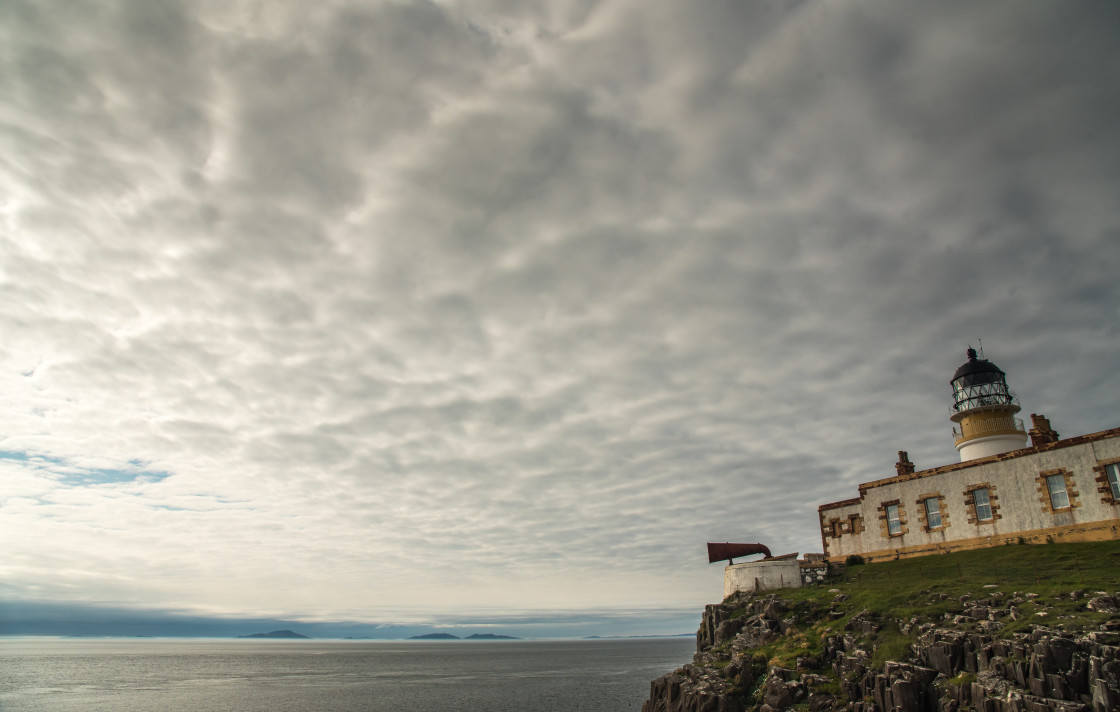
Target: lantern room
[984, 410]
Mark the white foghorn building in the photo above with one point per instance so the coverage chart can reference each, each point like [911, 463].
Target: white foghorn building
[1003, 490]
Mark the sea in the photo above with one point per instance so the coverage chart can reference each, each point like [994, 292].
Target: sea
[40, 674]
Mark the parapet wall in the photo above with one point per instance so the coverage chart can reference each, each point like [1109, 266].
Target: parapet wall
[764, 575]
[815, 571]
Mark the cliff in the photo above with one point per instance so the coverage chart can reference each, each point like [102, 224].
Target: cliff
[822, 649]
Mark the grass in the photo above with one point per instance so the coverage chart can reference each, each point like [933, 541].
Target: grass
[965, 678]
[890, 644]
[934, 589]
[906, 588]
[1042, 568]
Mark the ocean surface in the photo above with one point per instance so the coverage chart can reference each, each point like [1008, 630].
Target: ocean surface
[208, 675]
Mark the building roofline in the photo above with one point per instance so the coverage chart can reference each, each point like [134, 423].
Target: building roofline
[953, 467]
[836, 505]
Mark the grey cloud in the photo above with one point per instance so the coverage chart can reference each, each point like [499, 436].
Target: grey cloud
[305, 113]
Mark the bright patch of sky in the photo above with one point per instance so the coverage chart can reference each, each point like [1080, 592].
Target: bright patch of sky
[61, 471]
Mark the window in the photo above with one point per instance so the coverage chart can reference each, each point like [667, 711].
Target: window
[892, 518]
[982, 503]
[1107, 481]
[1057, 489]
[933, 512]
[1057, 486]
[894, 523]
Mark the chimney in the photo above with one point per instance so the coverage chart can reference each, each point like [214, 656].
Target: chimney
[904, 466]
[1041, 433]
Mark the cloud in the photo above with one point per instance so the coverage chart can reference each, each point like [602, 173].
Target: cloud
[504, 308]
[46, 618]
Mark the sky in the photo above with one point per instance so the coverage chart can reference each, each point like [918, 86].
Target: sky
[491, 314]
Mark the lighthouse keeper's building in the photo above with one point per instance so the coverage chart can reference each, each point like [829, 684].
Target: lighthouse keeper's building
[1002, 491]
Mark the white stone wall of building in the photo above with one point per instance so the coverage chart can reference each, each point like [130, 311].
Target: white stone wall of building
[763, 575]
[1013, 482]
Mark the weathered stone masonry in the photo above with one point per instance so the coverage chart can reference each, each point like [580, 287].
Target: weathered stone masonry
[1019, 502]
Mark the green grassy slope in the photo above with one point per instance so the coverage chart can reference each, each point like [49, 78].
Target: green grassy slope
[1048, 585]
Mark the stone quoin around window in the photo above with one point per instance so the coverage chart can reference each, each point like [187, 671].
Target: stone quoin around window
[835, 527]
[1108, 481]
[892, 519]
[981, 503]
[933, 516]
[1056, 491]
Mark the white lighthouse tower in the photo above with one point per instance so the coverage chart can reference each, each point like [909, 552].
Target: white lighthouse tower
[984, 410]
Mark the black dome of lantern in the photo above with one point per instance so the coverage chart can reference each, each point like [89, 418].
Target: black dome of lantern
[979, 382]
[978, 370]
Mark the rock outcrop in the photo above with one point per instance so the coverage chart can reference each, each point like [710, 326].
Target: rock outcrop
[692, 689]
[959, 662]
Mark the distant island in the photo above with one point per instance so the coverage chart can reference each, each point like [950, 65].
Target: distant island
[476, 636]
[275, 634]
[634, 637]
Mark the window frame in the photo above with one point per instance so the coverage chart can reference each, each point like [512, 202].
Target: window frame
[894, 526]
[987, 503]
[935, 512]
[1050, 498]
[899, 528]
[1051, 480]
[933, 519]
[1108, 480]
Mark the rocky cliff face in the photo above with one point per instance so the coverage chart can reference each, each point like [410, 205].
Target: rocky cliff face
[745, 645]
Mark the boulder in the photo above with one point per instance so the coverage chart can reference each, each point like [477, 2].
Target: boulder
[1103, 604]
[773, 610]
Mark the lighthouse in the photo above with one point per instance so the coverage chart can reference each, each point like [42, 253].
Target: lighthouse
[984, 410]
[1003, 491]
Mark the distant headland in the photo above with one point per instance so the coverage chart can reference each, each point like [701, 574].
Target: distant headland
[636, 637]
[276, 634]
[476, 636]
